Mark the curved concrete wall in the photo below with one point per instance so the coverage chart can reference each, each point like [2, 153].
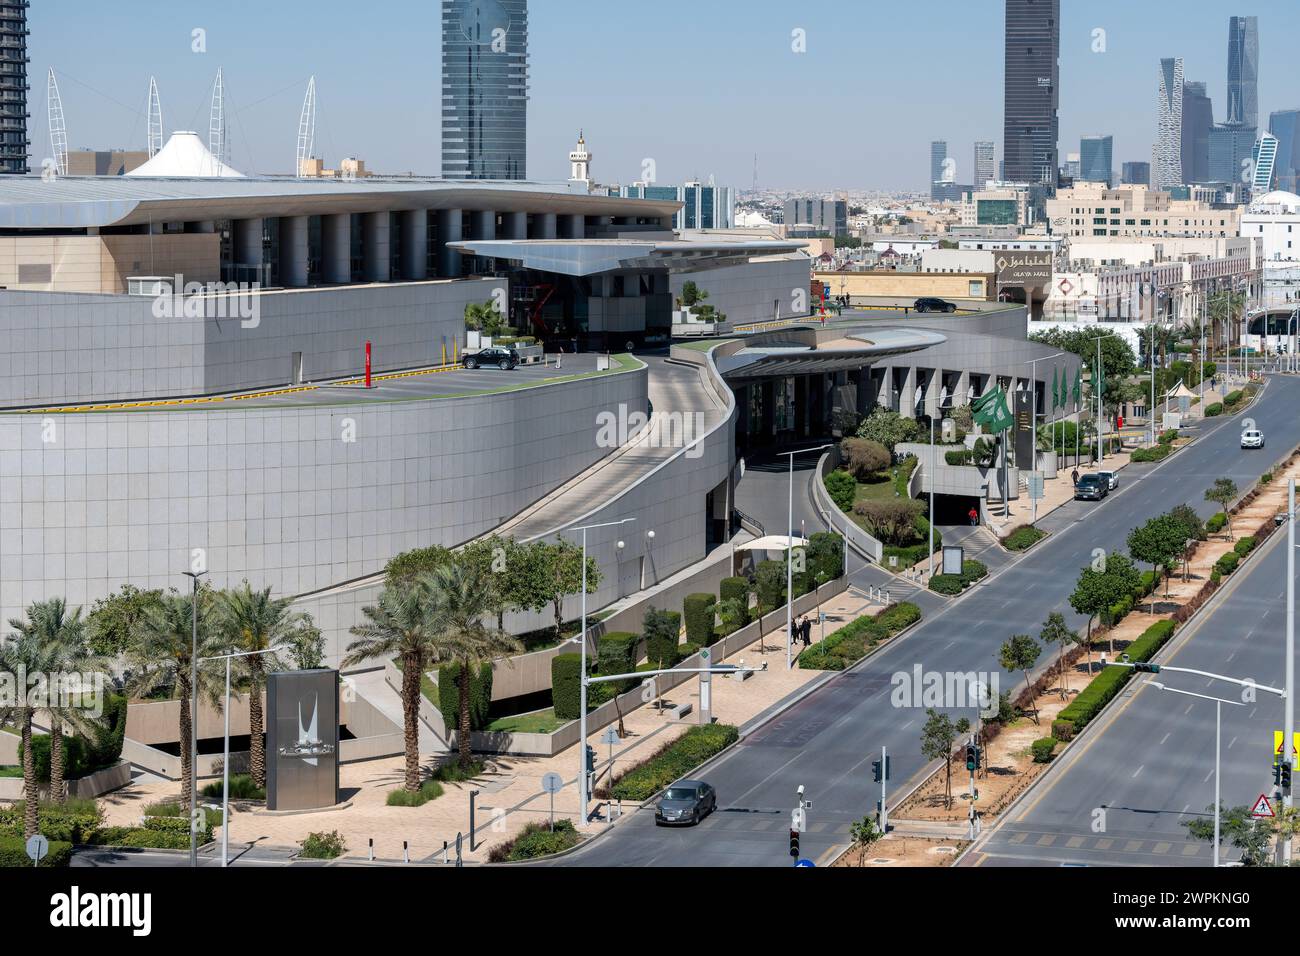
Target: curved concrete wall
[276, 494]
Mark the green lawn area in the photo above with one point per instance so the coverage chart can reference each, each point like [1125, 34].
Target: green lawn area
[539, 722]
[11, 771]
[881, 489]
[701, 346]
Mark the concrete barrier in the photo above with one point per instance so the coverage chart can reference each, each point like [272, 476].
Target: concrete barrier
[861, 542]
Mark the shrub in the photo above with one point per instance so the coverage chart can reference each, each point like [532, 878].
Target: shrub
[565, 690]
[842, 489]
[1063, 730]
[698, 611]
[429, 790]
[961, 456]
[1023, 538]
[673, 761]
[1266, 478]
[13, 853]
[241, 788]
[904, 475]
[769, 583]
[322, 846]
[864, 457]
[892, 521]
[138, 838]
[616, 654]
[453, 772]
[1245, 545]
[736, 589]
[536, 840]
[1233, 399]
[1213, 410]
[972, 571]
[662, 630]
[70, 822]
[947, 584]
[1076, 715]
[1042, 749]
[480, 694]
[898, 616]
[852, 642]
[1216, 522]
[1157, 453]
[1227, 564]
[179, 826]
[1117, 611]
[1169, 437]
[685, 650]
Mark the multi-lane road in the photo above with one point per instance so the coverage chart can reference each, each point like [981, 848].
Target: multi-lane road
[826, 741]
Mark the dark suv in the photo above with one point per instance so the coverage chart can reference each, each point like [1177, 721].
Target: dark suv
[934, 305]
[503, 358]
[1091, 488]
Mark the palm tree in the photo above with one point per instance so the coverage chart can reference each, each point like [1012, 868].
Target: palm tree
[461, 598]
[160, 654]
[25, 653]
[400, 623]
[254, 623]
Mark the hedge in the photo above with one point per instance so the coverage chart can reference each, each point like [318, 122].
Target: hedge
[1169, 437]
[480, 695]
[1158, 453]
[947, 584]
[85, 754]
[1233, 399]
[1213, 410]
[1080, 711]
[674, 761]
[736, 589]
[69, 822]
[852, 642]
[842, 489]
[684, 650]
[13, 853]
[537, 840]
[1216, 522]
[616, 654]
[1245, 546]
[698, 611]
[1227, 564]
[565, 689]
[662, 631]
[972, 571]
[1023, 538]
[962, 456]
[1042, 749]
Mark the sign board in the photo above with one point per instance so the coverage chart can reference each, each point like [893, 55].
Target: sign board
[953, 558]
[37, 847]
[1172, 420]
[1024, 270]
[805, 864]
[1295, 746]
[1035, 486]
[1262, 807]
[611, 737]
[1024, 441]
[302, 739]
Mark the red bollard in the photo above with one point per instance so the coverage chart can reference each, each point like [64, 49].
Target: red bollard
[367, 365]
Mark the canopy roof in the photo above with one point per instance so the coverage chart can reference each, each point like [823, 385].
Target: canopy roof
[185, 157]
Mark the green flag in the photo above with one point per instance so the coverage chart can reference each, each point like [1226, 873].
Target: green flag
[991, 410]
[1098, 380]
[1056, 389]
[1078, 388]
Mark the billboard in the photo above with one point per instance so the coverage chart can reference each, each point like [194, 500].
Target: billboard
[1024, 430]
[302, 746]
[1023, 269]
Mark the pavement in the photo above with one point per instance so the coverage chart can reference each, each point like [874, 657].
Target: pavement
[827, 741]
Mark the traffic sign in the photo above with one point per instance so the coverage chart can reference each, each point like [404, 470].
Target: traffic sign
[805, 863]
[37, 847]
[1262, 807]
[1295, 745]
[611, 737]
[552, 783]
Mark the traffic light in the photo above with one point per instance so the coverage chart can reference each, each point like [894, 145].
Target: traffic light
[591, 759]
[1277, 773]
[1286, 776]
[1146, 668]
[972, 757]
[794, 844]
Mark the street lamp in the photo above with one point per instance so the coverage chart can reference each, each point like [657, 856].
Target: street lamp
[583, 795]
[1218, 733]
[194, 710]
[1033, 407]
[789, 554]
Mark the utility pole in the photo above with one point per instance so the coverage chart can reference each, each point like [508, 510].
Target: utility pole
[1288, 722]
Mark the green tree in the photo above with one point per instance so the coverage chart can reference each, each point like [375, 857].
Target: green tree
[1099, 588]
[1193, 531]
[1157, 542]
[1253, 837]
[1223, 493]
[484, 317]
[1056, 631]
[113, 620]
[561, 565]
[864, 833]
[306, 645]
[490, 558]
[888, 428]
[25, 652]
[1020, 653]
[160, 657]
[937, 738]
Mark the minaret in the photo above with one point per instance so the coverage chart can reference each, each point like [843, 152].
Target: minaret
[580, 162]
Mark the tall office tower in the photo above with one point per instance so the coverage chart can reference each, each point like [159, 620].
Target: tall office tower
[485, 89]
[1031, 92]
[938, 159]
[13, 87]
[1167, 156]
[1231, 151]
[1096, 158]
[1243, 72]
[1285, 125]
[1265, 162]
[1136, 174]
[1072, 168]
[1198, 120]
[985, 167]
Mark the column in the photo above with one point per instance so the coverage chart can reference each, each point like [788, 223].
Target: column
[415, 244]
[449, 230]
[573, 227]
[514, 225]
[336, 247]
[544, 226]
[293, 251]
[374, 247]
[248, 243]
[483, 224]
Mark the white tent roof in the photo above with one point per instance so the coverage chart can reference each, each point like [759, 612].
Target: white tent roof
[773, 542]
[185, 156]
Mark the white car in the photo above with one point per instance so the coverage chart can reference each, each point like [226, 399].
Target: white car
[1252, 438]
[1110, 477]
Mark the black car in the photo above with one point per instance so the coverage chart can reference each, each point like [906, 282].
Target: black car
[503, 358]
[1091, 488]
[686, 801]
[934, 305]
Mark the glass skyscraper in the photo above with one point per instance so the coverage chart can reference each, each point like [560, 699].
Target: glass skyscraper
[1285, 125]
[1243, 72]
[938, 158]
[13, 87]
[1096, 158]
[1198, 121]
[1167, 156]
[1031, 94]
[985, 167]
[485, 89]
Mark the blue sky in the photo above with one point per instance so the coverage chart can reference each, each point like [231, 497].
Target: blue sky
[700, 87]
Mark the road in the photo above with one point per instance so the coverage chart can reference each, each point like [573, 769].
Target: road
[1124, 795]
[827, 741]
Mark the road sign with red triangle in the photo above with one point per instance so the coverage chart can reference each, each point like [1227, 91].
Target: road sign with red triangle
[1262, 807]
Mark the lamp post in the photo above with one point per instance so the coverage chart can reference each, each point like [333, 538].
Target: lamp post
[583, 793]
[1033, 408]
[789, 554]
[1096, 374]
[194, 710]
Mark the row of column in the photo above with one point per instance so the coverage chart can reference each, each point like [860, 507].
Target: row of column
[336, 241]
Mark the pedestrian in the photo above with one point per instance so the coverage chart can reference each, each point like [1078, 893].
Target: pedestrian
[974, 516]
[806, 628]
[1074, 477]
[794, 633]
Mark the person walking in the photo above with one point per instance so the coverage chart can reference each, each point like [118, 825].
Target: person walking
[805, 628]
[1074, 477]
[974, 516]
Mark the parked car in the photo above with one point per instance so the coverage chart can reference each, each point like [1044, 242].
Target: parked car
[1091, 488]
[928, 304]
[1252, 438]
[1111, 478]
[503, 358]
[686, 801]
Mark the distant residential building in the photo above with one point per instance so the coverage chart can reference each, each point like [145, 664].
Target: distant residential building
[1031, 91]
[1091, 211]
[985, 167]
[105, 162]
[1136, 174]
[1096, 158]
[1243, 72]
[1072, 168]
[804, 217]
[1232, 149]
[1167, 155]
[998, 205]
[1198, 121]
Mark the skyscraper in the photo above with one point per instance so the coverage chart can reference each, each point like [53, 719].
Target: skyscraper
[485, 89]
[1031, 94]
[13, 87]
[1231, 151]
[1243, 72]
[1167, 155]
[1285, 125]
[1137, 174]
[985, 167]
[1198, 120]
[1096, 157]
[1265, 161]
[938, 159]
